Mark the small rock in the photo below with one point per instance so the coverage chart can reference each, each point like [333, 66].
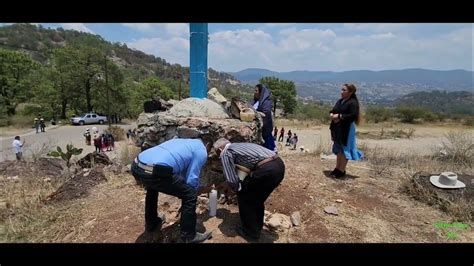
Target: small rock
[85, 170]
[267, 213]
[296, 218]
[47, 179]
[127, 169]
[331, 210]
[68, 236]
[89, 223]
[328, 157]
[202, 200]
[3, 205]
[87, 174]
[311, 197]
[339, 200]
[278, 221]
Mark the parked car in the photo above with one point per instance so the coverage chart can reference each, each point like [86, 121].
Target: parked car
[89, 118]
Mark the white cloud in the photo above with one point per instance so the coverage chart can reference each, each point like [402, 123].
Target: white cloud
[171, 29]
[177, 29]
[278, 24]
[76, 26]
[173, 50]
[143, 27]
[376, 47]
[375, 27]
[323, 49]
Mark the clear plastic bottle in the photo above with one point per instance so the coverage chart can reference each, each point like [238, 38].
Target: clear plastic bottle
[213, 202]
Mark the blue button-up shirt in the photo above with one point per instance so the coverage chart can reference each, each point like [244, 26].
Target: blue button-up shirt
[185, 156]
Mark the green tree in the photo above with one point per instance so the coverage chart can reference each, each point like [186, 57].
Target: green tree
[283, 91]
[409, 114]
[377, 114]
[153, 87]
[15, 67]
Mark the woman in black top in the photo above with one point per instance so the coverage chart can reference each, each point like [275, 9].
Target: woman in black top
[344, 116]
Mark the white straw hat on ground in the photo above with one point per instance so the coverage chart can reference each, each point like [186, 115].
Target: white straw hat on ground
[446, 180]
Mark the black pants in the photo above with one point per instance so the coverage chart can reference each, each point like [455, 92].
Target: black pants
[172, 185]
[255, 190]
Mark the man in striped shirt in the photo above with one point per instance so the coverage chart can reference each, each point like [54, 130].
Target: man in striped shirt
[266, 173]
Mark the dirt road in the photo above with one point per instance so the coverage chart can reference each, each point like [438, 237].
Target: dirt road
[54, 136]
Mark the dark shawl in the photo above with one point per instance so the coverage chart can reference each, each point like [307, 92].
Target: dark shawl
[349, 111]
[265, 105]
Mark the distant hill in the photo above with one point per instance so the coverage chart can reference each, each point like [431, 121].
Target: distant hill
[39, 42]
[452, 80]
[458, 102]
[380, 87]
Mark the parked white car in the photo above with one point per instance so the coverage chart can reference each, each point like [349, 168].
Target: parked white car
[89, 118]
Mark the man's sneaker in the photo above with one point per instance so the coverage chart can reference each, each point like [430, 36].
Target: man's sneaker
[158, 221]
[198, 238]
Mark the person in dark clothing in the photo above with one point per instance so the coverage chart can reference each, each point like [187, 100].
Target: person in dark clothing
[267, 170]
[282, 134]
[344, 116]
[288, 138]
[173, 168]
[263, 104]
[275, 133]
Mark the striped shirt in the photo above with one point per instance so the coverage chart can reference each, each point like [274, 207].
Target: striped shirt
[245, 154]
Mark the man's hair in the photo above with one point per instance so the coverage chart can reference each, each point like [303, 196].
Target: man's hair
[17, 137]
[220, 143]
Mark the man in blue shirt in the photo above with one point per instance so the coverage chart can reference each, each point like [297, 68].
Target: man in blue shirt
[173, 167]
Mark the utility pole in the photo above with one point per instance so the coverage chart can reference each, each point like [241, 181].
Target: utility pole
[107, 89]
[179, 87]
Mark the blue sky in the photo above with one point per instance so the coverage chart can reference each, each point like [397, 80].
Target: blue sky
[302, 46]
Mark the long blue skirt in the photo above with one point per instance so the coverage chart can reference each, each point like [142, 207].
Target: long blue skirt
[350, 151]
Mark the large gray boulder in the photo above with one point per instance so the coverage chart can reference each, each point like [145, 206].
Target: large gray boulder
[193, 118]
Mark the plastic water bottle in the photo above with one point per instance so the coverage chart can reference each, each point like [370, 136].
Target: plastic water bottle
[213, 202]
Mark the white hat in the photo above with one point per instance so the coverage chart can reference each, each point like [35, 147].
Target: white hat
[446, 180]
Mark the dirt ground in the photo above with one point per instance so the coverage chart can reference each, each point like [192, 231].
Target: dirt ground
[370, 209]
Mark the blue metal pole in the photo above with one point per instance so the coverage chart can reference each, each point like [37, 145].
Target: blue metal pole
[198, 60]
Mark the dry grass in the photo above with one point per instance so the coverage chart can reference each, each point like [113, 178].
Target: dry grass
[40, 151]
[458, 208]
[117, 132]
[383, 133]
[381, 161]
[128, 153]
[458, 148]
[27, 219]
[295, 124]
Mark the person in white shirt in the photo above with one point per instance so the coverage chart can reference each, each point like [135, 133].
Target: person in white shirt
[18, 148]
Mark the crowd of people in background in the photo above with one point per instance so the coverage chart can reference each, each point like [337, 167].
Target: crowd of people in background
[102, 142]
[291, 139]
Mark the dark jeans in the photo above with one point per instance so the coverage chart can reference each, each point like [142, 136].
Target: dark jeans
[172, 185]
[255, 190]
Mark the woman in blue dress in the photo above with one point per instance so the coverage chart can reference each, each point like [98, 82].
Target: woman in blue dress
[344, 117]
